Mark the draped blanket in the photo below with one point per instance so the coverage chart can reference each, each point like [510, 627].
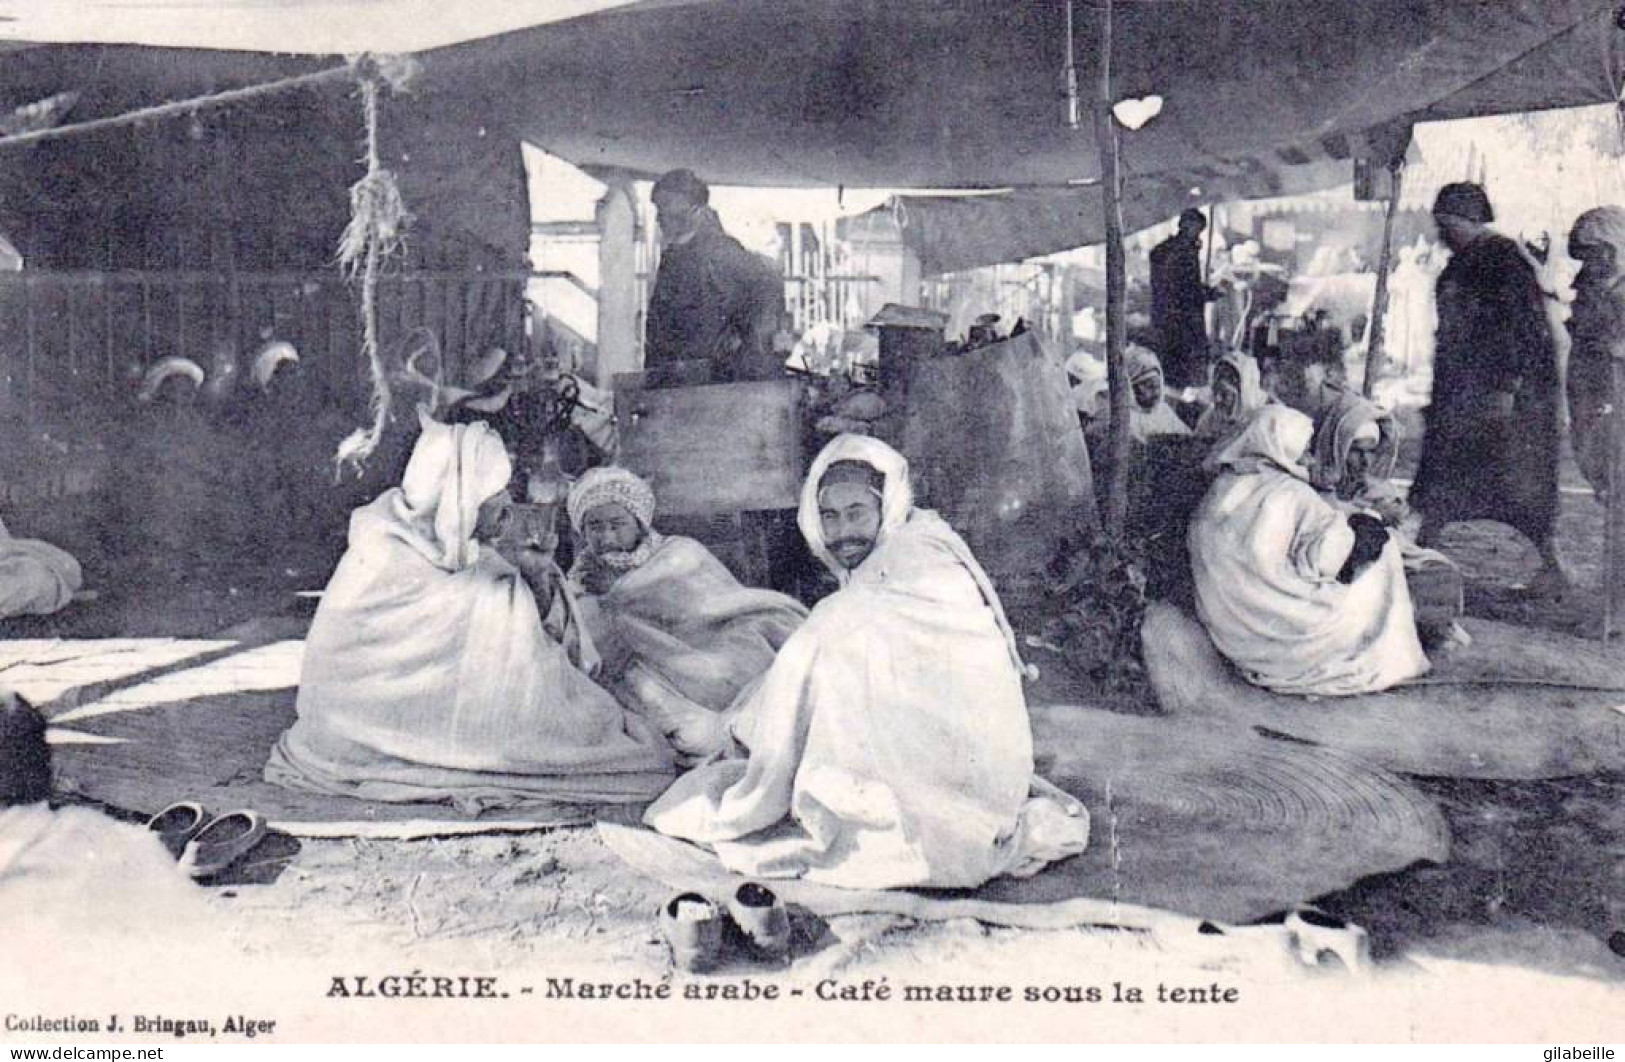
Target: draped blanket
[889, 744]
[682, 620]
[36, 578]
[428, 674]
[71, 878]
[1266, 550]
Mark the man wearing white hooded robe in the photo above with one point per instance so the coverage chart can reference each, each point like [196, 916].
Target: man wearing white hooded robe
[430, 673]
[889, 744]
[1275, 586]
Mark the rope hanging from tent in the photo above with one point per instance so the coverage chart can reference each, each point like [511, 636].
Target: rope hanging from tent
[378, 216]
[377, 229]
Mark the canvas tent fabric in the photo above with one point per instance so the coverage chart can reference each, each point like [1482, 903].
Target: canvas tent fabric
[931, 93]
[950, 233]
[963, 93]
[312, 27]
[275, 174]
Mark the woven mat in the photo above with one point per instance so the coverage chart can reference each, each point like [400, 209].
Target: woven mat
[140, 723]
[1517, 704]
[1203, 821]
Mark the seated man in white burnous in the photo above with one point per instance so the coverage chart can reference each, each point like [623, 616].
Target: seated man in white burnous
[889, 743]
[437, 669]
[1303, 596]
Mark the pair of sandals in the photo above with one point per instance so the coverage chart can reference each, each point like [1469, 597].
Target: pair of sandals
[702, 933]
[204, 844]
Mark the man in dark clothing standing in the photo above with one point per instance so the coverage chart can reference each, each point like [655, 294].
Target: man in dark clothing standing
[712, 299]
[1178, 302]
[1492, 433]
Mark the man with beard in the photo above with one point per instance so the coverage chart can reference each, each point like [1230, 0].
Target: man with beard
[889, 745]
[1151, 416]
[439, 669]
[679, 636]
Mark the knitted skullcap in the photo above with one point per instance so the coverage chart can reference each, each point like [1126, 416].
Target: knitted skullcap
[859, 472]
[599, 486]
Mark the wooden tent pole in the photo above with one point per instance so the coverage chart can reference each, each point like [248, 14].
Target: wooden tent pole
[1613, 596]
[1209, 318]
[1613, 543]
[1212, 223]
[1111, 189]
[1376, 333]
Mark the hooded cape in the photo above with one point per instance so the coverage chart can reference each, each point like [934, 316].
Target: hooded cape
[889, 743]
[428, 674]
[1266, 549]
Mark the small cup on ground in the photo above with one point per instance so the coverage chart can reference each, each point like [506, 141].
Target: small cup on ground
[762, 918]
[692, 926]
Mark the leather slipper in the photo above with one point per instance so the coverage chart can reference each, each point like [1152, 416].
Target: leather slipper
[178, 824]
[222, 842]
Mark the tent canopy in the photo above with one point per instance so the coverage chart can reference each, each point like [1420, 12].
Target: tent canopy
[966, 93]
[894, 93]
[950, 233]
[882, 93]
[309, 27]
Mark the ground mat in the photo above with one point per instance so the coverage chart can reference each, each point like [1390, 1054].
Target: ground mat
[1517, 704]
[1201, 821]
[140, 723]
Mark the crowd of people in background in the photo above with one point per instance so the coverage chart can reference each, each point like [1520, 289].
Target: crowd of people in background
[193, 468]
[880, 738]
[204, 465]
[1303, 538]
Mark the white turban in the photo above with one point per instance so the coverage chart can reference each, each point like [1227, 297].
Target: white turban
[270, 357]
[455, 468]
[600, 486]
[1276, 436]
[163, 370]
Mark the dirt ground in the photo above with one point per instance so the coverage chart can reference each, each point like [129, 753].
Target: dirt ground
[1536, 879]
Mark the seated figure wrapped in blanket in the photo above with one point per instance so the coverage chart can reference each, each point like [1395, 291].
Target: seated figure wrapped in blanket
[1150, 415]
[1356, 446]
[679, 636]
[36, 578]
[431, 672]
[1238, 393]
[1302, 596]
[888, 745]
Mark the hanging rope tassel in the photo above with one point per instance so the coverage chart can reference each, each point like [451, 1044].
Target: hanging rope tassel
[377, 229]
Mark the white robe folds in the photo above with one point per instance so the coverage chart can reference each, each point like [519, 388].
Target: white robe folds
[1266, 549]
[72, 878]
[889, 744]
[428, 675]
[679, 634]
[36, 578]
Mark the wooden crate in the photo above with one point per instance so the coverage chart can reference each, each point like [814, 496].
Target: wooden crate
[716, 449]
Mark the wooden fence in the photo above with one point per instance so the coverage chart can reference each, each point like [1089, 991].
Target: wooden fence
[74, 336]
